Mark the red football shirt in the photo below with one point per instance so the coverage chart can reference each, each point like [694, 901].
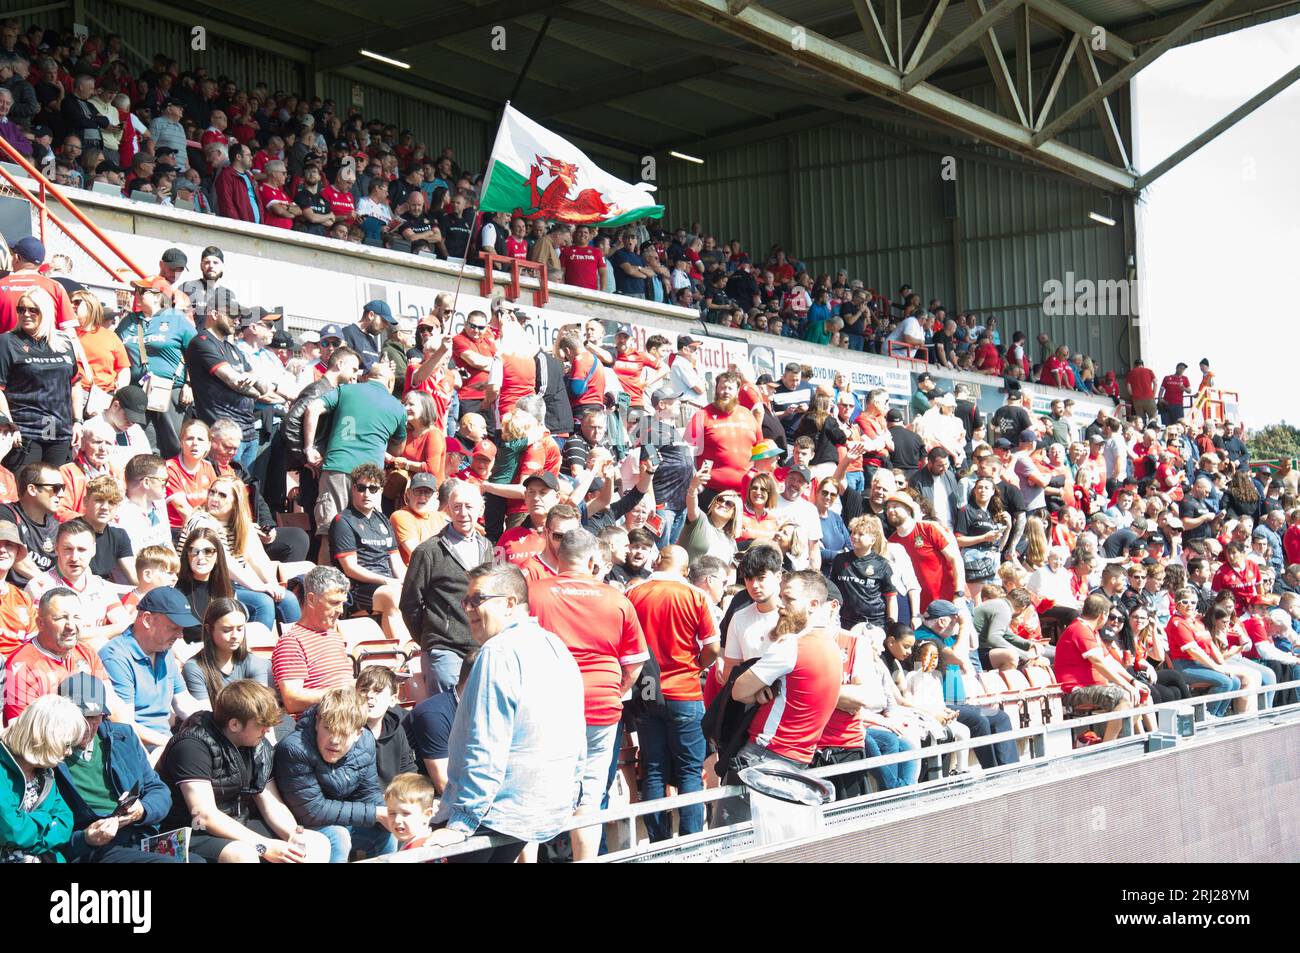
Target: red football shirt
[1174, 388]
[601, 629]
[727, 440]
[343, 204]
[472, 388]
[520, 544]
[811, 671]
[1072, 669]
[1142, 383]
[586, 363]
[845, 730]
[271, 194]
[582, 266]
[1183, 633]
[925, 548]
[677, 623]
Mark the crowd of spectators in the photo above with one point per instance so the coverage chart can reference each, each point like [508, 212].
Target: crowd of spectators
[585, 556]
[278, 159]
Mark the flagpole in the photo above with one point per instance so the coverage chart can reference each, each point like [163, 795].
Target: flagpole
[478, 213]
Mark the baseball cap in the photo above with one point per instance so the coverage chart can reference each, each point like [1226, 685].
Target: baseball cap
[151, 283]
[174, 257]
[486, 448]
[331, 331]
[263, 314]
[764, 379]
[923, 377]
[135, 403]
[9, 534]
[86, 692]
[660, 396]
[1156, 539]
[894, 416]
[380, 308]
[29, 248]
[71, 286]
[685, 340]
[624, 329]
[765, 449]
[1002, 443]
[423, 481]
[799, 471]
[1096, 438]
[249, 317]
[941, 609]
[169, 602]
[545, 476]
[309, 337]
[455, 446]
[164, 151]
[282, 339]
[1029, 435]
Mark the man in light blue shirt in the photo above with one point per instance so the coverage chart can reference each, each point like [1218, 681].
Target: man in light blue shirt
[143, 670]
[167, 132]
[519, 740]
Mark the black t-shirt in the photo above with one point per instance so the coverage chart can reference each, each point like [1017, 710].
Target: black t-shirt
[949, 348]
[315, 201]
[742, 288]
[854, 325]
[110, 546]
[1192, 507]
[370, 537]
[37, 537]
[428, 728]
[37, 381]
[1118, 542]
[676, 464]
[909, 450]
[720, 298]
[419, 226]
[188, 759]
[213, 400]
[1009, 422]
[970, 520]
[969, 416]
[456, 232]
[1013, 501]
[863, 582]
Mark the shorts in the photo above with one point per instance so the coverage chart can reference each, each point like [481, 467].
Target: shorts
[209, 846]
[984, 658]
[595, 772]
[361, 597]
[333, 496]
[1145, 409]
[1100, 697]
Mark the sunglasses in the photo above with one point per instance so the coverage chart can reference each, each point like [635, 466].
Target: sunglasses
[52, 487]
[477, 327]
[203, 551]
[473, 602]
[367, 488]
[22, 310]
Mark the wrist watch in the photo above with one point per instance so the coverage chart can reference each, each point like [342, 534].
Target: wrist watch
[261, 849]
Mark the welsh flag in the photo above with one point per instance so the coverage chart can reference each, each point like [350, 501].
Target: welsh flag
[533, 173]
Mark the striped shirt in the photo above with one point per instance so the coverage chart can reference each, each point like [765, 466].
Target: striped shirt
[318, 658]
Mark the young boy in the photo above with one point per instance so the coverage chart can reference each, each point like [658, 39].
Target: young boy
[155, 567]
[393, 756]
[411, 800]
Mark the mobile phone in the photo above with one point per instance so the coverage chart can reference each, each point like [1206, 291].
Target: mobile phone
[127, 801]
[652, 455]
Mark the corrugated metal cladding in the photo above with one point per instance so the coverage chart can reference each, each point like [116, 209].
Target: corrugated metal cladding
[147, 35]
[847, 195]
[434, 126]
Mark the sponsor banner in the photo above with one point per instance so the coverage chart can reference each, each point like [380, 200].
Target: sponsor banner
[862, 377]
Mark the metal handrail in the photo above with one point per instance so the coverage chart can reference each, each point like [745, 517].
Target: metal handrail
[13, 155]
[631, 812]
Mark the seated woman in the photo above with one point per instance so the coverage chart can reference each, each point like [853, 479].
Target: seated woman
[925, 693]
[425, 450]
[224, 657]
[203, 575]
[255, 577]
[35, 821]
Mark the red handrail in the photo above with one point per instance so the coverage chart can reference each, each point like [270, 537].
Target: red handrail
[540, 296]
[23, 163]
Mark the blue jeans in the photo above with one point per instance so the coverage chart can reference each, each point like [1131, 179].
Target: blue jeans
[441, 670]
[371, 841]
[881, 741]
[1266, 677]
[673, 749]
[1194, 673]
[855, 481]
[262, 608]
[246, 454]
[980, 724]
[674, 520]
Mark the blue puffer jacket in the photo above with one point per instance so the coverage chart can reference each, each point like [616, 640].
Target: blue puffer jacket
[127, 764]
[346, 792]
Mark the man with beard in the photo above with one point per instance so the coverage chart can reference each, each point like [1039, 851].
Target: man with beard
[212, 264]
[725, 433]
[807, 662]
[931, 547]
[642, 547]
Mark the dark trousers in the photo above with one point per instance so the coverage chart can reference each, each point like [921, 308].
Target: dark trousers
[112, 854]
[289, 546]
[54, 453]
[164, 428]
[982, 724]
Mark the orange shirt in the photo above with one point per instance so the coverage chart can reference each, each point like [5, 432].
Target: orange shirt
[8, 487]
[193, 485]
[677, 623]
[17, 618]
[727, 440]
[601, 629]
[412, 529]
[430, 448]
[106, 356]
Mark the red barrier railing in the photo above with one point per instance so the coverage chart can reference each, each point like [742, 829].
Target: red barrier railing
[48, 217]
[491, 259]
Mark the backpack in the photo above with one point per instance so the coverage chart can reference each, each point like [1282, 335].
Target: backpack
[726, 722]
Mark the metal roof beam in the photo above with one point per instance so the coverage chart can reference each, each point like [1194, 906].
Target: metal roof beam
[1105, 117]
[1002, 81]
[761, 26]
[1121, 76]
[1220, 127]
[998, 12]
[1056, 12]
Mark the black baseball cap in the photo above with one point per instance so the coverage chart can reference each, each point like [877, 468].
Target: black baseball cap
[174, 258]
[546, 477]
[282, 339]
[135, 404]
[168, 601]
[685, 340]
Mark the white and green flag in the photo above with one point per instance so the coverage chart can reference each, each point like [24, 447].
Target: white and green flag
[535, 174]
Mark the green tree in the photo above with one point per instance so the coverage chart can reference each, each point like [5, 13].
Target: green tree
[1274, 441]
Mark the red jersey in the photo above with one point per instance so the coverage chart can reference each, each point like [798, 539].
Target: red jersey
[475, 380]
[517, 546]
[16, 284]
[811, 672]
[1183, 633]
[1243, 582]
[516, 247]
[1291, 543]
[629, 368]
[33, 673]
[677, 623]
[727, 440]
[846, 730]
[1072, 669]
[1056, 373]
[925, 548]
[194, 487]
[601, 629]
[988, 358]
[594, 393]
[1142, 383]
[537, 568]
[518, 379]
[1174, 388]
[269, 193]
[582, 266]
[342, 204]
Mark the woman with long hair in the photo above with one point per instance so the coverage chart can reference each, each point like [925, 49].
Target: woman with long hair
[711, 532]
[254, 575]
[106, 356]
[980, 532]
[35, 821]
[224, 657]
[189, 474]
[38, 364]
[828, 436]
[203, 576]
[759, 519]
[1036, 546]
[1139, 643]
[1240, 497]
[835, 535]
[425, 450]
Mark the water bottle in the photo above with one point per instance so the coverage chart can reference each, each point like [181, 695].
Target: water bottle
[298, 842]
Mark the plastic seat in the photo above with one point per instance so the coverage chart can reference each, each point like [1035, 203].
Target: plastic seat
[1033, 697]
[1053, 704]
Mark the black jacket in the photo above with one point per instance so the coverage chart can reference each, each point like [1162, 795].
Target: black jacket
[550, 384]
[291, 426]
[393, 754]
[229, 792]
[431, 593]
[929, 485]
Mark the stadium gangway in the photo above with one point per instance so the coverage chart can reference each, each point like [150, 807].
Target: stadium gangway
[724, 843]
[46, 216]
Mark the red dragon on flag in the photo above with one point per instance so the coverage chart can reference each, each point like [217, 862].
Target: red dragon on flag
[553, 201]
